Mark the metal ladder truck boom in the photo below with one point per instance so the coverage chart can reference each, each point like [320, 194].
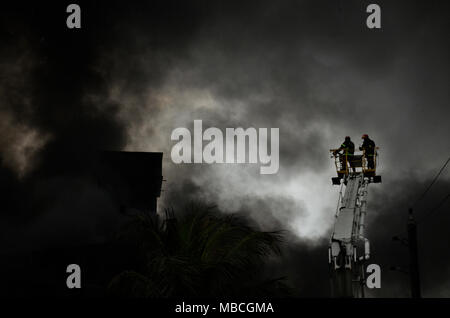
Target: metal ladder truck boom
[349, 248]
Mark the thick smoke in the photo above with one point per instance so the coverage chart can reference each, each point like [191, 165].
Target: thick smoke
[316, 72]
[50, 127]
[133, 73]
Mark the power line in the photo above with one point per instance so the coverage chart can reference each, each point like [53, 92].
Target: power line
[432, 182]
[436, 208]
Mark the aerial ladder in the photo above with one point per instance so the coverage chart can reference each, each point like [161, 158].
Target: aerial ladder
[349, 249]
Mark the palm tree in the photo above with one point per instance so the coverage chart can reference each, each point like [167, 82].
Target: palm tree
[203, 254]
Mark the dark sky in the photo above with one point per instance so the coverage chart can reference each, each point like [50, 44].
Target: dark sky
[136, 71]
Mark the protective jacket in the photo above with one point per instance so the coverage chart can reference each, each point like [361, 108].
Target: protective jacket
[368, 146]
[348, 147]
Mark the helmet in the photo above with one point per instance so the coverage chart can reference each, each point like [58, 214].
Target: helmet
[347, 138]
[365, 136]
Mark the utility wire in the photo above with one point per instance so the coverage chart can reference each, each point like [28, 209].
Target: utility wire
[436, 208]
[432, 182]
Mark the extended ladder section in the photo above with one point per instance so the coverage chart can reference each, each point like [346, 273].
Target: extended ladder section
[348, 247]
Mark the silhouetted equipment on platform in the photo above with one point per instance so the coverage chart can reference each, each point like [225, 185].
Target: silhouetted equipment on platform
[345, 162]
[134, 179]
[349, 249]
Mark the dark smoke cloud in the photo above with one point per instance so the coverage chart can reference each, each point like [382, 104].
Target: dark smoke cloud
[50, 126]
[312, 68]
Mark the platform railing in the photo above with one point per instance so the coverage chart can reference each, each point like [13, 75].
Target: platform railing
[345, 163]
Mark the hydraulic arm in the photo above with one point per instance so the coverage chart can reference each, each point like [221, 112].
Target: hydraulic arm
[349, 248]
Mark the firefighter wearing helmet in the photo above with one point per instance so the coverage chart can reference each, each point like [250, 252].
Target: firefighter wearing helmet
[348, 148]
[368, 147]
